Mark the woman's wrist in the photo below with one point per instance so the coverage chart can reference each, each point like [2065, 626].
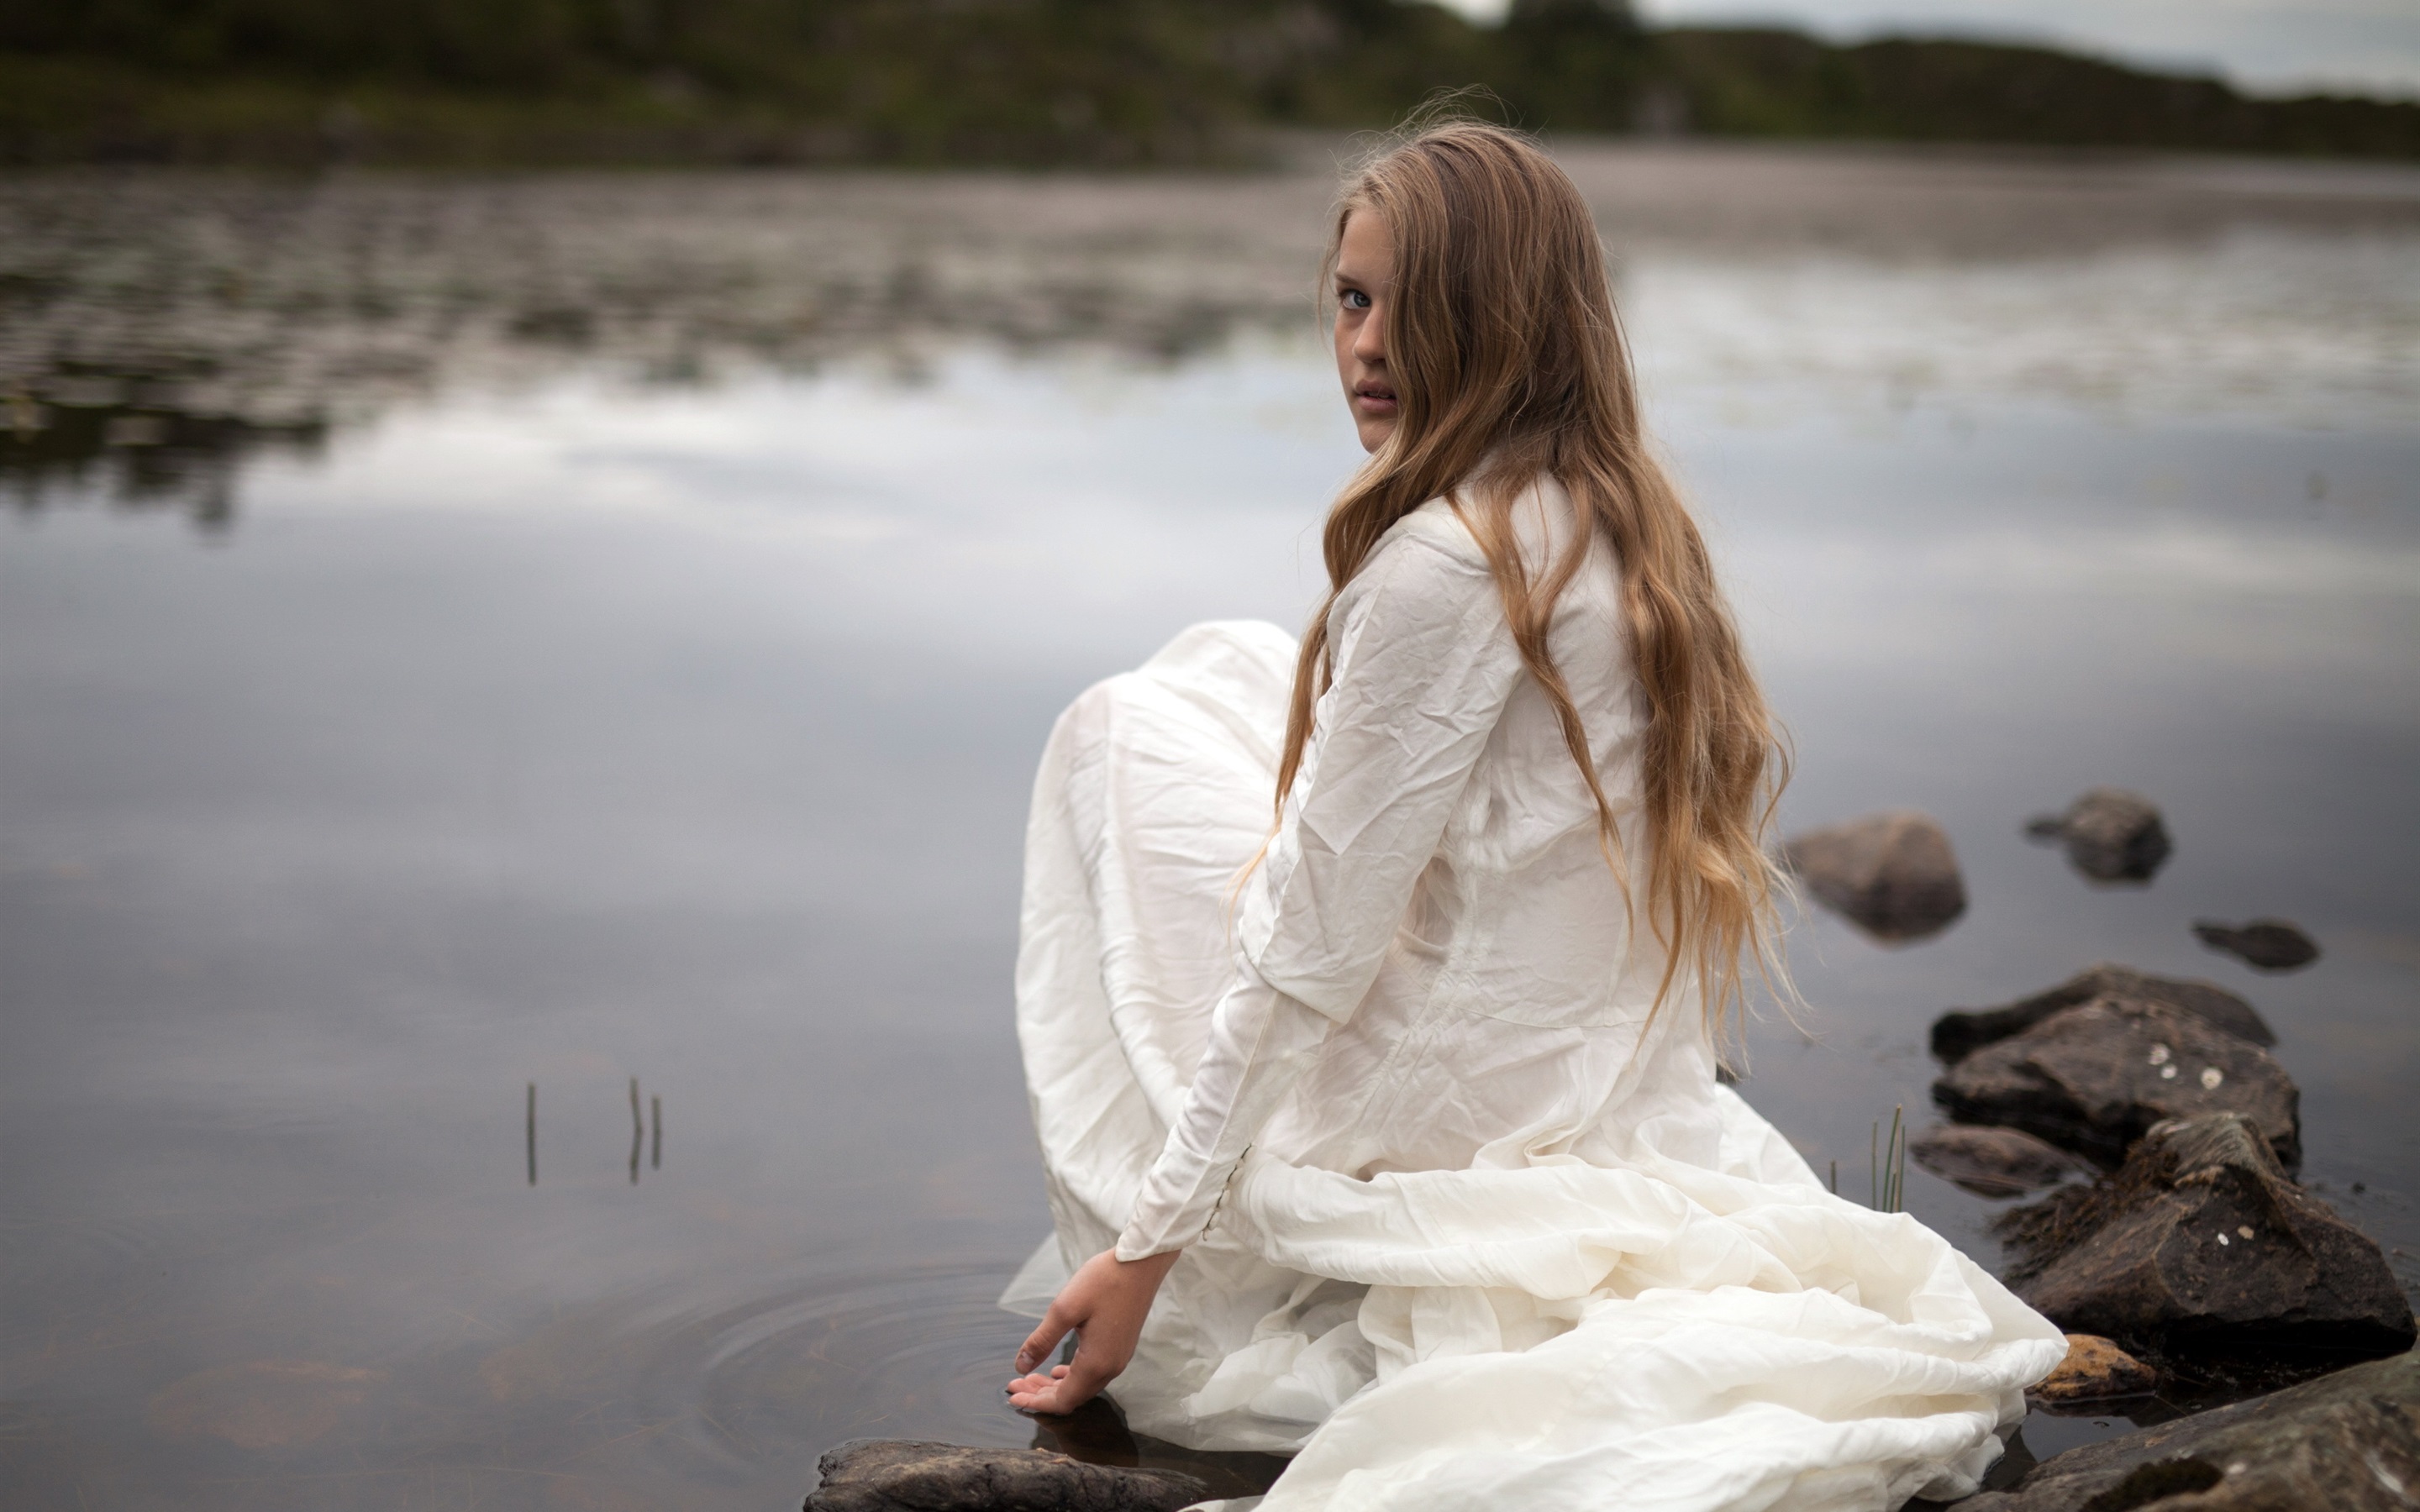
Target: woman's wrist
[1131, 1249]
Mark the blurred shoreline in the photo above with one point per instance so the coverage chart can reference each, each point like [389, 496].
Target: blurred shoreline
[1144, 85]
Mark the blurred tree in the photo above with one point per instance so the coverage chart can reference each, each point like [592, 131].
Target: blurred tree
[1037, 81]
[1572, 65]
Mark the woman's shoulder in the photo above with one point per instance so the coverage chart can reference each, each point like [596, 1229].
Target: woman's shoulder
[1433, 529]
[1427, 568]
[1429, 557]
[1540, 515]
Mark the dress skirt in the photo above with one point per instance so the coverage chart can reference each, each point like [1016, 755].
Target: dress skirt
[1687, 1324]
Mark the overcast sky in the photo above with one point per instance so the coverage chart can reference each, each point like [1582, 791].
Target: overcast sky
[2265, 45]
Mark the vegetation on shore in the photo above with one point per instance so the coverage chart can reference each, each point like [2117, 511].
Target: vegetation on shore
[1103, 82]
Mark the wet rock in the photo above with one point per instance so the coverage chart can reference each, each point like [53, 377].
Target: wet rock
[2269, 944]
[1961, 1031]
[2095, 1369]
[2094, 1078]
[2201, 1243]
[2345, 1442]
[2110, 835]
[1893, 874]
[909, 1475]
[1990, 1162]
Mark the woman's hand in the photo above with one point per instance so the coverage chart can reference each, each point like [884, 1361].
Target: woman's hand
[1104, 1303]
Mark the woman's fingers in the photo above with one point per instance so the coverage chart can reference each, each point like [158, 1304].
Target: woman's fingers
[1026, 1386]
[1065, 1389]
[1038, 1344]
[1041, 1394]
[1083, 1380]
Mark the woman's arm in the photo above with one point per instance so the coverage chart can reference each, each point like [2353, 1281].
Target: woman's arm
[1424, 664]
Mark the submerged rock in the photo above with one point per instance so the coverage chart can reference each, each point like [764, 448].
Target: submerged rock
[2095, 1369]
[1960, 1032]
[265, 1404]
[1892, 874]
[2094, 1078]
[1991, 1162]
[909, 1475]
[2269, 944]
[2200, 1243]
[2345, 1442]
[2110, 835]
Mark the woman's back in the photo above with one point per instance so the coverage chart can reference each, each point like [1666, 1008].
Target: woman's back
[1507, 1017]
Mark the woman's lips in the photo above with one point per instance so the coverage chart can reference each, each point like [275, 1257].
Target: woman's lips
[1377, 395]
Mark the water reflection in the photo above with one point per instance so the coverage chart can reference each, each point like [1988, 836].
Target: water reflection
[168, 325]
[1097, 1433]
[77, 432]
[158, 329]
[568, 709]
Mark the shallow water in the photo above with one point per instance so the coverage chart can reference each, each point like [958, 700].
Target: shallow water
[662, 703]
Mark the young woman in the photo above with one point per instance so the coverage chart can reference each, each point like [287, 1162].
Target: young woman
[1391, 1137]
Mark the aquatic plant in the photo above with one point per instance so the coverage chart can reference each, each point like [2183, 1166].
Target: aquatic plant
[1886, 1164]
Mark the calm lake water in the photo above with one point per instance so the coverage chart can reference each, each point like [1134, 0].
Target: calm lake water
[458, 635]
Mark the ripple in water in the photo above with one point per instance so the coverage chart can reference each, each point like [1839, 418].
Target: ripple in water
[900, 1351]
[762, 1386]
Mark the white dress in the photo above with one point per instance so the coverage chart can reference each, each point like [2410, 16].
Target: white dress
[1467, 1226]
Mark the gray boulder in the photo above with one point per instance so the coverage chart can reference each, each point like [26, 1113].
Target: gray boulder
[1990, 1162]
[909, 1475]
[2094, 1078]
[1892, 874]
[2110, 835]
[1960, 1032]
[2269, 944]
[2345, 1443]
[2201, 1243]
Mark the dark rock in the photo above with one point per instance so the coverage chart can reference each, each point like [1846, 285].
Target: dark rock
[2095, 1077]
[2269, 944]
[2095, 1370]
[1961, 1031]
[907, 1475]
[2110, 835]
[1992, 1162]
[2345, 1442]
[1892, 874]
[1098, 1434]
[2200, 1243]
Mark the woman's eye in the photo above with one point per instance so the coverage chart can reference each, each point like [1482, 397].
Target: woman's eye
[1352, 298]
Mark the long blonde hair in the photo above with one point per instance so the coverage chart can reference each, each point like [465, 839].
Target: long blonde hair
[1507, 363]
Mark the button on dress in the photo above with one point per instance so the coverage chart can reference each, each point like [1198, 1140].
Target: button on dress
[1467, 1220]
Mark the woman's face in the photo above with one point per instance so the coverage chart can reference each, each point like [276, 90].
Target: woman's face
[1365, 278]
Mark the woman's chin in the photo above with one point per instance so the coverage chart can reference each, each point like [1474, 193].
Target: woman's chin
[1373, 429]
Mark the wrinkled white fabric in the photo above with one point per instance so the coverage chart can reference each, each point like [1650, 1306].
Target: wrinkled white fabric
[1464, 1224]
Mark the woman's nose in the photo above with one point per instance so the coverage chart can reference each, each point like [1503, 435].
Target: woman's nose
[1369, 343]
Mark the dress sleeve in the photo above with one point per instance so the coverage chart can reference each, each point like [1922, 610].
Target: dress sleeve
[1424, 664]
